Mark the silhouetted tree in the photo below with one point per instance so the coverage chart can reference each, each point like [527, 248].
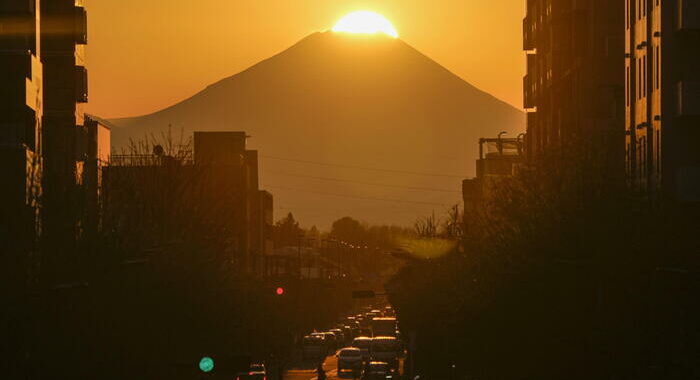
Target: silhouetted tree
[349, 230]
[287, 232]
[561, 271]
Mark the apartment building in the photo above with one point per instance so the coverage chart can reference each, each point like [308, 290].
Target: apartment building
[573, 90]
[662, 99]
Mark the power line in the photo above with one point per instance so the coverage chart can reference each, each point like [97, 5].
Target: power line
[364, 168]
[368, 183]
[357, 197]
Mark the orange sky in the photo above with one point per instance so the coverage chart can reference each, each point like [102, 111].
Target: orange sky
[144, 55]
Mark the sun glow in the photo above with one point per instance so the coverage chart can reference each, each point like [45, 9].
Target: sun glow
[365, 22]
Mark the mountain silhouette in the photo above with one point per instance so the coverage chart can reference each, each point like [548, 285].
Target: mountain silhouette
[364, 126]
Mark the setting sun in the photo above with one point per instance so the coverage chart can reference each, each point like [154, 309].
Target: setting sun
[365, 22]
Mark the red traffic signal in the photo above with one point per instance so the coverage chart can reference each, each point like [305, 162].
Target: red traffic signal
[279, 291]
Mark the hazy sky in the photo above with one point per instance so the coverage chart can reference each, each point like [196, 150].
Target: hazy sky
[144, 55]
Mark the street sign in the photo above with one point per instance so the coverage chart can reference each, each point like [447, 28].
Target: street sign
[206, 364]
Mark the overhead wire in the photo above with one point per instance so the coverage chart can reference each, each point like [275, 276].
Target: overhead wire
[384, 170]
[356, 196]
[331, 179]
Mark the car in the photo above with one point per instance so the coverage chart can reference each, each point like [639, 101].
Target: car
[331, 341]
[363, 343]
[364, 331]
[314, 347]
[349, 360]
[376, 371]
[339, 336]
[348, 333]
[385, 349]
[257, 372]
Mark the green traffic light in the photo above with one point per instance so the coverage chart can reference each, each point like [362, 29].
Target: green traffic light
[206, 364]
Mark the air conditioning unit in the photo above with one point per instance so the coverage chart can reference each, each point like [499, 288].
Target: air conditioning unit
[689, 98]
[688, 14]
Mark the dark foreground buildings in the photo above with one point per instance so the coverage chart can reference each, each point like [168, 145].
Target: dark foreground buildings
[662, 92]
[573, 90]
[21, 110]
[613, 93]
[616, 82]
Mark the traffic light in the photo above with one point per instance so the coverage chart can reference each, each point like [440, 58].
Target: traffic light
[206, 364]
[279, 291]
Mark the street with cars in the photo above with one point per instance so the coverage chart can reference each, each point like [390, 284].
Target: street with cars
[366, 346]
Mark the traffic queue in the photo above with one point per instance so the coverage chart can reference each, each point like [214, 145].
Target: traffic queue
[367, 345]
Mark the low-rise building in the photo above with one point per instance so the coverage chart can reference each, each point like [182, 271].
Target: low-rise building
[499, 158]
[218, 179]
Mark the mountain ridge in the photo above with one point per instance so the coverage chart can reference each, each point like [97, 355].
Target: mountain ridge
[365, 101]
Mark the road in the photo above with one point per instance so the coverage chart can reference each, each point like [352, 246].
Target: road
[307, 371]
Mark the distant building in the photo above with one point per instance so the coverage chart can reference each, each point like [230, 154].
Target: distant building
[220, 176]
[663, 98]
[94, 147]
[219, 150]
[262, 224]
[499, 158]
[573, 90]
